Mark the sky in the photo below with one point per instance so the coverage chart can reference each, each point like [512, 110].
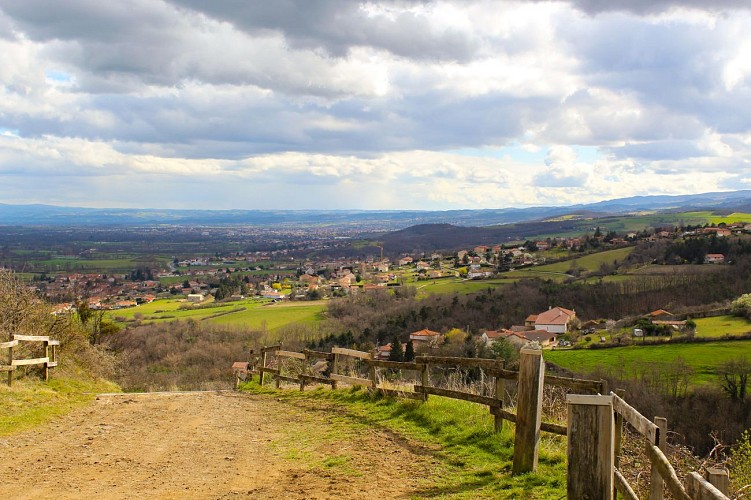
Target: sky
[305, 104]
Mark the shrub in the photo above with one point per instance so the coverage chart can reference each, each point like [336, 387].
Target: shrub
[742, 306]
[740, 456]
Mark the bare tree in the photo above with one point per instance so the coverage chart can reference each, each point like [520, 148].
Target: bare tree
[733, 377]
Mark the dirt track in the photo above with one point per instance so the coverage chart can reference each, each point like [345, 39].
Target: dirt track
[208, 445]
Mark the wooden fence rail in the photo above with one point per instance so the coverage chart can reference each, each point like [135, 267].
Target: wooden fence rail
[594, 426]
[527, 419]
[596, 429]
[48, 361]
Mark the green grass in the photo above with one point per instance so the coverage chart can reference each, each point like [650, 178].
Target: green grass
[703, 357]
[590, 262]
[254, 314]
[471, 461]
[29, 403]
[719, 326]
[453, 285]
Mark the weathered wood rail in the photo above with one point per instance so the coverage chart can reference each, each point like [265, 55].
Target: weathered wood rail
[594, 425]
[530, 379]
[49, 360]
[595, 439]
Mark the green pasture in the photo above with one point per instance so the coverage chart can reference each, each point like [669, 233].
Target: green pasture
[719, 326]
[623, 362]
[254, 314]
[535, 272]
[453, 285]
[590, 262]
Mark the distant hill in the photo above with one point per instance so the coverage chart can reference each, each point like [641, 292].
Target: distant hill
[48, 215]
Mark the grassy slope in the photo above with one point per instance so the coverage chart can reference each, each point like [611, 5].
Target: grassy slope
[720, 326]
[29, 402]
[588, 262]
[703, 357]
[473, 462]
[248, 313]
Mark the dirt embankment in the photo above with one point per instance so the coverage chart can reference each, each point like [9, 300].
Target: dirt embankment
[208, 445]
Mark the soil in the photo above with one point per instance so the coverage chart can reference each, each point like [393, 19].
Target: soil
[210, 445]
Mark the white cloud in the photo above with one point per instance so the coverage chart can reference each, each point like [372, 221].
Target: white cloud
[333, 103]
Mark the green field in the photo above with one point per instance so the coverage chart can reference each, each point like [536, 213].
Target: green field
[590, 262]
[704, 358]
[720, 326]
[254, 314]
[453, 285]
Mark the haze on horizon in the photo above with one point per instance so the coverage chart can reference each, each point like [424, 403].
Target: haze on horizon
[380, 105]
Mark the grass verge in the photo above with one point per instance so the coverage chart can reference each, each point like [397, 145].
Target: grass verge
[472, 461]
[29, 403]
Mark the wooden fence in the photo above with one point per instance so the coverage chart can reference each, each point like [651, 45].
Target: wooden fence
[594, 427]
[594, 445]
[48, 361]
[530, 379]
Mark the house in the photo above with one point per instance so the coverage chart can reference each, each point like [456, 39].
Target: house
[555, 320]
[384, 351]
[720, 232]
[405, 261]
[543, 337]
[714, 258]
[515, 338]
[530, 321]
[382, 267]
[660, 315]
[426, 337]
[195, 298]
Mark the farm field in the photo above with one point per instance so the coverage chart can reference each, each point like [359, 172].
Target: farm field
[719, 326]
[252, 314]
[588, 262]
[703, 357]
[453, 285]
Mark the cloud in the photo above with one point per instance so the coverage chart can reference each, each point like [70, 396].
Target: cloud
[342, 97]
[644, 7]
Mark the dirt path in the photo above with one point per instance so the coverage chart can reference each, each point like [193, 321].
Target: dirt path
[208, 445]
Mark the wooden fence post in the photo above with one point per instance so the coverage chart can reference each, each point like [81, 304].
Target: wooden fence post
[373, 374]
[334, 368]
[621, 393]
[424, 379]
[698, 488]
[500, 392]
[719, 478]
[263, 365]
[528, 411]
[656, 484]
[591, 443]
[46, 367]
[10, 363]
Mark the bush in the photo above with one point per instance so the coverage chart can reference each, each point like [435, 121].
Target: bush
[740, 456]
[742, 306]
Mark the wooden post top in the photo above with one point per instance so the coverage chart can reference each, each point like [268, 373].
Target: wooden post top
[529, 350]
[584, 399]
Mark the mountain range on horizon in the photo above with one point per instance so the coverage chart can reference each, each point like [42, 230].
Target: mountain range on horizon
[51, 215]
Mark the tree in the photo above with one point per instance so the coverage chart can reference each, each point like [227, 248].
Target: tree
[409, 352]
[733, 377]
[742, 306]
[396, 354]
[503, 349]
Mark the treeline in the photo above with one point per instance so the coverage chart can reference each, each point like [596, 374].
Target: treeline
[690, 250]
